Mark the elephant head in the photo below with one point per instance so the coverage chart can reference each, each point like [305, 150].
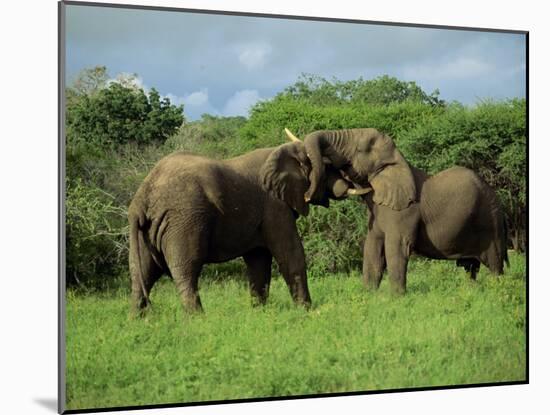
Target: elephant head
[286, 172]
[368, 157]
[285, 175]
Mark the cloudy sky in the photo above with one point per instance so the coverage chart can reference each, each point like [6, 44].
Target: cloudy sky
[222, 65]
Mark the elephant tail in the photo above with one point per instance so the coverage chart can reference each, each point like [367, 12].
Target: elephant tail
[136, 224]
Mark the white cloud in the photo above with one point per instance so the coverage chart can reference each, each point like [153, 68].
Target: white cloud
[254, 56]
[194, 104]
[460, 68]
[197, 98]
[240, 102]
[174, 99]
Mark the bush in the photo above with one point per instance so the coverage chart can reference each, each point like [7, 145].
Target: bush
[96, 236]
[120, 112]
[333, 238]
[214, 137]
[100, 186]
[116, 133]
[269, 118]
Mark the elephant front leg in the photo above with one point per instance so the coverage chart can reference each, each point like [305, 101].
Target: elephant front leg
[283, 242]
[258, 263]
[292, 265]
[397, 250]
[297, 284]
[373, 260]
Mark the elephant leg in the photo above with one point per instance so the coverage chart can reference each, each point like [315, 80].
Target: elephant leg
[374, 262]
[492, 259]
[258, 263]
[474, 269]
[292, 265]
[471, 265]
[397, 250]
[186, 277]
[185, 265]
[283, 242]
[144, 276]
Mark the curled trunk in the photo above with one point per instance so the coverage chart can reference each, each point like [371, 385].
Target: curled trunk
[331, 144]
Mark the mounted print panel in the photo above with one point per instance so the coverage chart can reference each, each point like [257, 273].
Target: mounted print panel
[262, 207]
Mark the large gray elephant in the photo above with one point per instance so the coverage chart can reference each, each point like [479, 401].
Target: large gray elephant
[451, 215]
[192, 210]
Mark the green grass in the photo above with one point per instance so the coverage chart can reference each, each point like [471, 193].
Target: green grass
[445, 330]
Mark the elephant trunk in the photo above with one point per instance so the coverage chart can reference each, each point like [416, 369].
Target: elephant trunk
[332, 144]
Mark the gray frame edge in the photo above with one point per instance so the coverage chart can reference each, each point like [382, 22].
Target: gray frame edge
[61, 360]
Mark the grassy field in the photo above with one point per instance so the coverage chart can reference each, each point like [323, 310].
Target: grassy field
[446, 330]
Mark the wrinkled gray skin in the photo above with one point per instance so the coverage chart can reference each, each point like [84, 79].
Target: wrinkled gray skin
[192, 210]
[451, 215]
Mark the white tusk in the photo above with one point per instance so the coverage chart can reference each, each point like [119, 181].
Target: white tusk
[358, 192]
[291, 136]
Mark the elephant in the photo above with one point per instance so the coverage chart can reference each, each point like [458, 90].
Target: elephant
[191, 210]
[454, 214]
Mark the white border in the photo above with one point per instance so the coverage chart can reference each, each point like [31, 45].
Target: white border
[28, 163]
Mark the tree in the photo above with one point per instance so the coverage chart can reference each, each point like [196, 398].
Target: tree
[90, 80]
[383, 90]
[211, 136]
[112, 113]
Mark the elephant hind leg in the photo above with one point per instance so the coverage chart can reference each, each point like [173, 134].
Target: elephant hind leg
[144, 276]
[186, 277]
[183, 256]
[258, 263]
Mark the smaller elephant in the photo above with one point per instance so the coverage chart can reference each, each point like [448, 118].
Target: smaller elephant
[454, 214]
[191, 210]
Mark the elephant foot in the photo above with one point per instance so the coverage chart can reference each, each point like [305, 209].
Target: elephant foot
[258, 301]
[470, 265]
[141, 311]
[398, 293]
[193, 308]
[371, 285]
[305, 303]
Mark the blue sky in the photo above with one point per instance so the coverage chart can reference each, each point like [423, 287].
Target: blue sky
[222, 65]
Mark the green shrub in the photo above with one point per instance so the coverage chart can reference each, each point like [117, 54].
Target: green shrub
[116, 133]
[269, 118]
[118, 112]
[333, 238]
[214, 137]
[96, 236]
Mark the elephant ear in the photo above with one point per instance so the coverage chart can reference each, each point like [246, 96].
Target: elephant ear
[283, 175]
[394, 185]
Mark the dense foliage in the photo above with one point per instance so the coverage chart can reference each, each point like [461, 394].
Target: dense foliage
[113, 131]
[383, 90]
[121, 112]
[210, 136]
[116, 132]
